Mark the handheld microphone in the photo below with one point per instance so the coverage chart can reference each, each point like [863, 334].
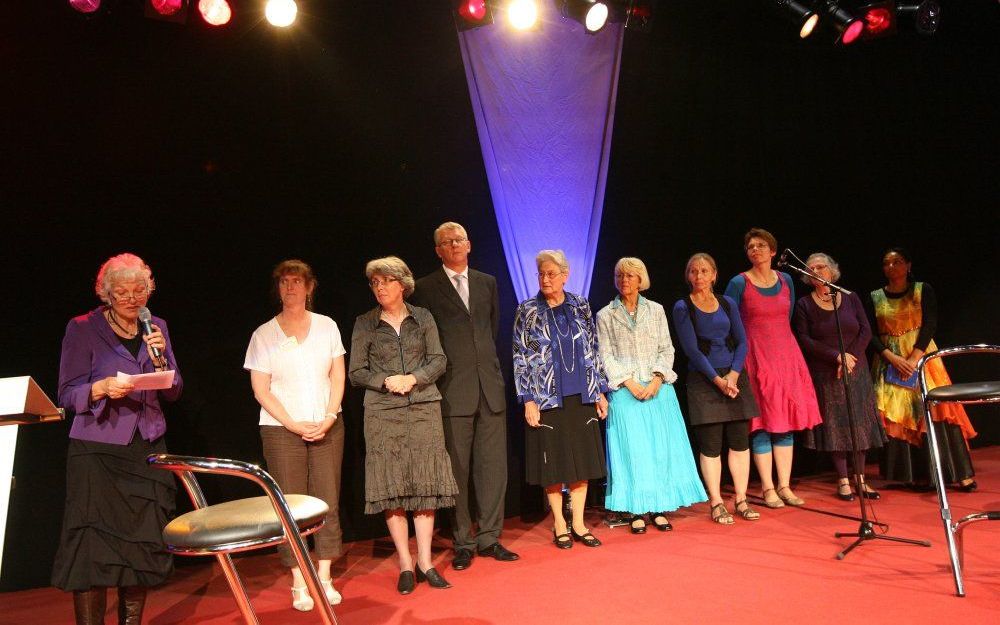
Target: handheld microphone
[147, 328]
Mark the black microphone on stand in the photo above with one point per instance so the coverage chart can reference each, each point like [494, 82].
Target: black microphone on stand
[783, 260]
[147, 328]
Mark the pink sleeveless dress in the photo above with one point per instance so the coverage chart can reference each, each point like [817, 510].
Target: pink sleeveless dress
[777, 371]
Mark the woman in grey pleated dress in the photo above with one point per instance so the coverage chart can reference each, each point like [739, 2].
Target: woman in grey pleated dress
[396, 356]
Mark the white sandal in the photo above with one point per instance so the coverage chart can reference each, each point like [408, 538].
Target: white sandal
[301, 600]
[332, 595]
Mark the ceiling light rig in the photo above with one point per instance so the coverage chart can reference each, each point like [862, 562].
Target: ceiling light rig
[865, 20]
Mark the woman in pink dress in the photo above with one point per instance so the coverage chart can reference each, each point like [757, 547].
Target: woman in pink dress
[778, 373]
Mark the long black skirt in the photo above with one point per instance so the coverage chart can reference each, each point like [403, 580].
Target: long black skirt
[903, 462]
[116, 509]
[570, 449]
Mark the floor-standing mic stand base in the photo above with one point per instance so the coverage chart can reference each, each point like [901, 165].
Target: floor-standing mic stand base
[866, 532]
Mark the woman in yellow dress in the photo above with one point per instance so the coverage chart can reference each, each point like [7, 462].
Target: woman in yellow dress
[905, 319]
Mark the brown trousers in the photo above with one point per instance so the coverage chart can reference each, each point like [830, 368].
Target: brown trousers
[314, 469]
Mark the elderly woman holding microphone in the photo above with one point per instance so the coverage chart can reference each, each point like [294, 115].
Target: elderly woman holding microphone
[396, 356]
[116, 505]
[559, 377]
[649, 455]
[296, 364]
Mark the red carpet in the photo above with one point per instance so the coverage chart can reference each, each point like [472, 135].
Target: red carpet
[779, 569]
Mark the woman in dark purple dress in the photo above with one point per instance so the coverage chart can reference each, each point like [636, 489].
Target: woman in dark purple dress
[816, 329]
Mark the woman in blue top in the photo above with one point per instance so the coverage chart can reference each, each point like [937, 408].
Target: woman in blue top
[720, 402]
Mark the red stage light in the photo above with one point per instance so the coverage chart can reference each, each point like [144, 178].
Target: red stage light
[85, 6]
[167, 7]
[215, 12]
[473, 10]
[878, 20]
[853, 31]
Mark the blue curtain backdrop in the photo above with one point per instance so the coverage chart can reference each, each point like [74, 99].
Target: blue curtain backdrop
[544, 103]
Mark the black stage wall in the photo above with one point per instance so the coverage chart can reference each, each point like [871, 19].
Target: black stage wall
[216, 153]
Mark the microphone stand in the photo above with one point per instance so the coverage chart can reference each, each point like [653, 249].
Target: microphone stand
[866, 530]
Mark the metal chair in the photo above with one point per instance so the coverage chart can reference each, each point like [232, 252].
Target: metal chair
[967, 393]
[244, 524]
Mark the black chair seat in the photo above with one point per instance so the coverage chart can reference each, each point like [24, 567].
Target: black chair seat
[966, 392]
[225, 525]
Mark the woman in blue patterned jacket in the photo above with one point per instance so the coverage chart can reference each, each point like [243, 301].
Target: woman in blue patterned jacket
[560, 379]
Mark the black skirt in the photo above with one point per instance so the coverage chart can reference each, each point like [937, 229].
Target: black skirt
[570, 449]
[707, 405]
[116, 509]
[903, 462]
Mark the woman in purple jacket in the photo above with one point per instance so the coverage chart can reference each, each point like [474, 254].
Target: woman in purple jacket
[116, 506]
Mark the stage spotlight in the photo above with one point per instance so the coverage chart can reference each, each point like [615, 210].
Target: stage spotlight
[926, 15]
[591, 13]
[166, 10]
[215, 12]
[802, 14]
[85, 6]
[847, 23]
[879, 18]
[280, 13]
[523, 14]
[471, 14]
[636, 14]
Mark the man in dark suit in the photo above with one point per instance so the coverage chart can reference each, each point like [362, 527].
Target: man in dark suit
[466, 307]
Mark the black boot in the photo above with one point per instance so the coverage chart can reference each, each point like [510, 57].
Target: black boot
[131, 601]
[89, 606]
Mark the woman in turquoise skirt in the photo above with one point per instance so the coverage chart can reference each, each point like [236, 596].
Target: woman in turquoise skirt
[650, 466]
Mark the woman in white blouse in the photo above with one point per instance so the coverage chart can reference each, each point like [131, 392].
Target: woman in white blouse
[296, 364]
[650, 466]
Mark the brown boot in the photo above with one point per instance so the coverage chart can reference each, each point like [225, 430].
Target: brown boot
[131, 601]
[89, 605]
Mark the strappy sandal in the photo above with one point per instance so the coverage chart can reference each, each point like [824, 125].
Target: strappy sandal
[723, 517]
[748, 513]
[791, 501]
[772, 503]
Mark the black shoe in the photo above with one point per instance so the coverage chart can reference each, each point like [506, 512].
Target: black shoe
[588, 539]
[432, 577]
[638, 529]
[563, 541]
[848, 496]
[499, 552]
[968, 488]
[663, 527]
[462, 559]
[870, 494]
[406, 582]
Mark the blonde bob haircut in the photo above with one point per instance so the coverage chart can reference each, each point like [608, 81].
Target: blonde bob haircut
[449, 225]
[631, 264]
[553, 256]
[122, 268]
[392, 267]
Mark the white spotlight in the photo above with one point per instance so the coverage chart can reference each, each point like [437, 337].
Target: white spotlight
[523, 14]
[597, 17]
[280, 13]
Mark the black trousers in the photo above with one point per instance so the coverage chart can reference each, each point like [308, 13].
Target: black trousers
[477, 445]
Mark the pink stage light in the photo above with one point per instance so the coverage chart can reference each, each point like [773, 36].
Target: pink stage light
[215, 12]
[853, 31]
[85, 6]
[167, 7]
[473, 10]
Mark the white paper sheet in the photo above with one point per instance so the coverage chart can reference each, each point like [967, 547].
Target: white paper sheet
[148, 381]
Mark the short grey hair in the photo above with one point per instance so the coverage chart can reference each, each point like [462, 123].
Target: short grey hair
[392, 267]
[555, 256]
[122, 268]
[636, 266]
[449, 225]
[832, 264]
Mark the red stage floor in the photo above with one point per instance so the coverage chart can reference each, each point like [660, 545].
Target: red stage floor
[780, 569]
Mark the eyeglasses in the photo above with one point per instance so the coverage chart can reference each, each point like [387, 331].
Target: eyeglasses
[376, 283]
[551, 275]
[815, 268]
[122, 296]
[622, 276]
[757, 246]
[452, 242]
